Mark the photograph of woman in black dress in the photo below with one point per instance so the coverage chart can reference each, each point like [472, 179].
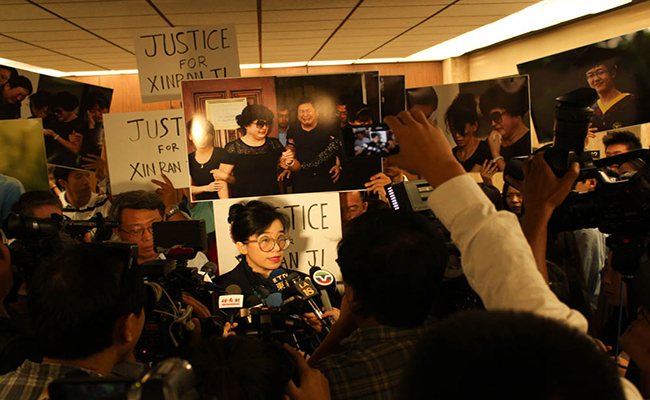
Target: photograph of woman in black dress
[461, 119]
[255, 159]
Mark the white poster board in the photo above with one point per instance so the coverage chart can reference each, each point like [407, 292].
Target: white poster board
[167, 56]
[222, 113]
[315, 226]
[142, 145]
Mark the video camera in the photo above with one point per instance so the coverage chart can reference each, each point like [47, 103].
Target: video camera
[171, 379]
[42, 238]
[168, 320]
[621, 208]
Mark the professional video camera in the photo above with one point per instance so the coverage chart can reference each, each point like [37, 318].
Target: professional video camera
[171, 379]
[41, 238]
[169, 321]
[621, 208]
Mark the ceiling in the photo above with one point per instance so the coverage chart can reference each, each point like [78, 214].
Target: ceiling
[96, 35]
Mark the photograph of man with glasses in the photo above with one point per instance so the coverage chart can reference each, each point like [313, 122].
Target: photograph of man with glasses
[505, 106]
[614, 108]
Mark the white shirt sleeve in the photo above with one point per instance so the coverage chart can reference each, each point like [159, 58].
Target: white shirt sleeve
[496, 258]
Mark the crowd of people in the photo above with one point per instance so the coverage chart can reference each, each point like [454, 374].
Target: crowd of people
[550, 330]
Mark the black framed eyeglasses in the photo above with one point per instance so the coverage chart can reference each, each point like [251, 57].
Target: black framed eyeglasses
[267, 244]
[496, 117]
[138, 232]
[261, 123]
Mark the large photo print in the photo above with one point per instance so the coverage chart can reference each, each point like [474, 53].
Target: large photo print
[617, 69]
[486, 122]
[262, 136]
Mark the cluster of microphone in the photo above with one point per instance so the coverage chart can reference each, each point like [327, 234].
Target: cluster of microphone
[292, 295]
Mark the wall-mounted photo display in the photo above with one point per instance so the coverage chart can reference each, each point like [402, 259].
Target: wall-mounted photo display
[617, 69]
[261, 136]
[483, 120]
[72, 113]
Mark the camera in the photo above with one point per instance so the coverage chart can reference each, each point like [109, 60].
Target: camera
[368, 141]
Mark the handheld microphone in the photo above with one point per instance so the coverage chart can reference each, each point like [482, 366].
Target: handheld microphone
[274, 300]
[324, 280]
[278, 280]
[308, 291]
[233, 299]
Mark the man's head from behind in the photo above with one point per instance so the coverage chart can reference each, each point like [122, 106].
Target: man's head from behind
[505, 355]
[136, 211]
[386, 255]
[38, 204]
[87, 300]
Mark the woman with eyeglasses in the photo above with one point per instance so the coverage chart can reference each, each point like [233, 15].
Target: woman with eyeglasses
[504, 110]
[260, 234]
[461, 119]
[257, 159]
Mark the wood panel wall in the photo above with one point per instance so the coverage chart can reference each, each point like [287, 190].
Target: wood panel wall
[126, 94]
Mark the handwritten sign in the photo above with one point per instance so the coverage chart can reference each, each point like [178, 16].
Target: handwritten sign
[142, 145]
[223, 112]
[314, 225]
[166, 57]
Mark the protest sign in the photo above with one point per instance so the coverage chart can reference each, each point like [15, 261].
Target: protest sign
[142, 145]
[166, 57]
[314, 225]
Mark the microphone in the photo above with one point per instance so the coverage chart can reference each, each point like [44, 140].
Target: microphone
[323, 280]
[274, 300]
[233, 299]
[278, 280]
[308, 291]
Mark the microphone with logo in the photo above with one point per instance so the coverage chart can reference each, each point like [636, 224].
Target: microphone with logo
[306, 289]
[325, 282]
[231, 302]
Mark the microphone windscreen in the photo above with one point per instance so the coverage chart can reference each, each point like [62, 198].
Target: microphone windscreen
[278, 280]
[274, 300]
[233, 289]
[252, 301]
[323, 278]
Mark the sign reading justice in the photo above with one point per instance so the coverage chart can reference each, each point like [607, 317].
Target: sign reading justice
[166, 57]
[142, 145]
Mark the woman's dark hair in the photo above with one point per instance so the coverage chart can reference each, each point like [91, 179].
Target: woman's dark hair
[252, 218]
[40, 99]
[493, 194]
[514, 102]
[461, 111]
[96, 98]
[240, 367]
[65, 100]
[253, 112]
[205, 125]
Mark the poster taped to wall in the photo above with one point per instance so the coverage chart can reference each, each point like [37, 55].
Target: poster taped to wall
[286, 138]
[314, 226]
[142, 146]
[483, 120]
[618, 70]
